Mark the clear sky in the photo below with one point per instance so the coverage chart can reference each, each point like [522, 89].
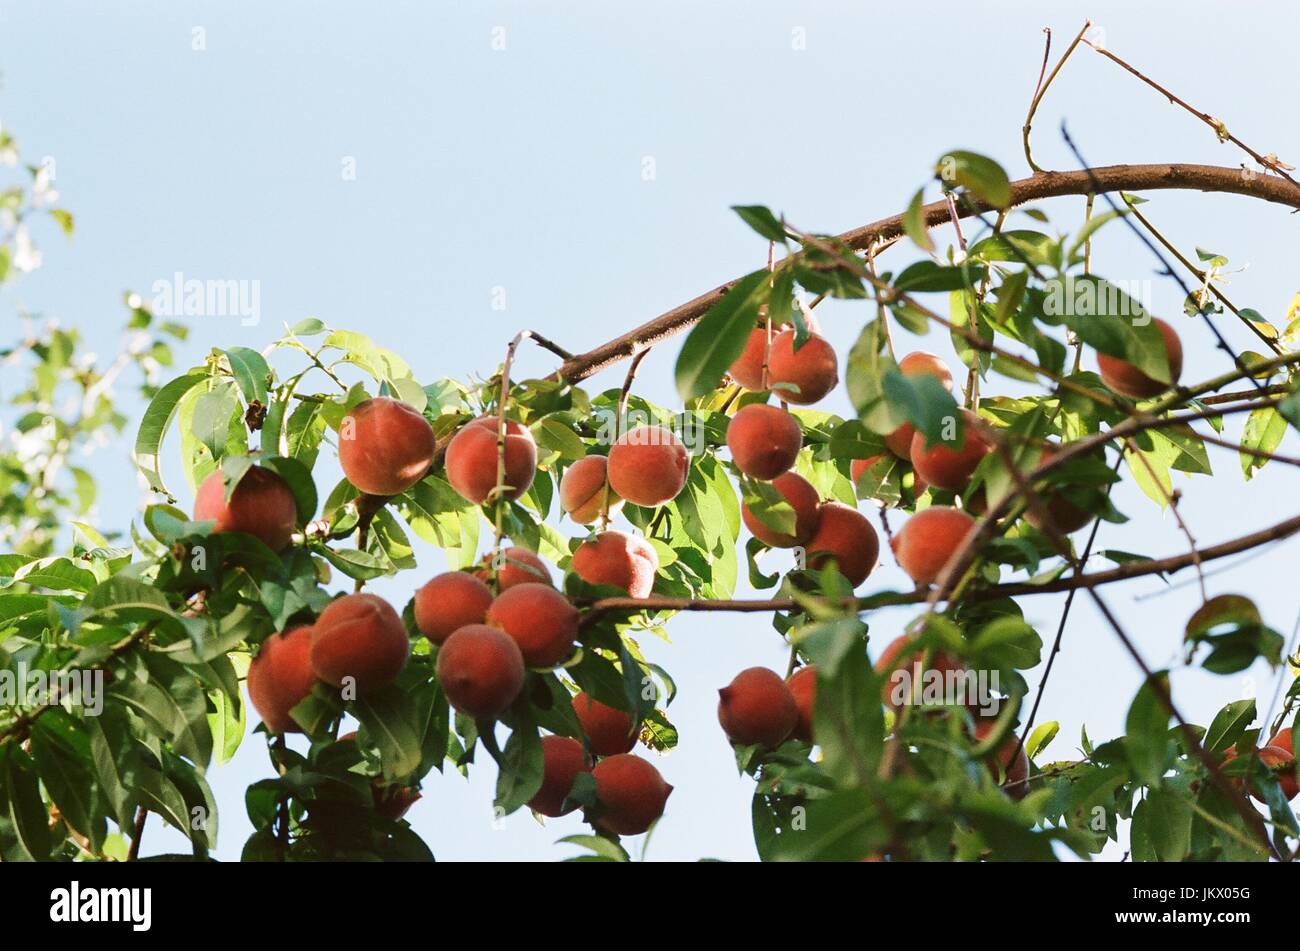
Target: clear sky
[479, 167]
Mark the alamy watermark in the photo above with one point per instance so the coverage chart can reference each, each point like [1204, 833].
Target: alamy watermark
[25, 687]
[179, 296]
[1067, 297]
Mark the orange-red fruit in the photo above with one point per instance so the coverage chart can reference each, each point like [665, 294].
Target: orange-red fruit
[540, 619]
[1282, 762]
[812, 368]
[928, 539]
[631, 793]
[845, 535]
[516, 565]
[608, 729]
[757, 707]
[359, 636]
[385, 446]
[803, 687]
[748, 368]
[859, 466]
[481, 670]
[803, 498]
[647, 465]
[619, 560]
[471, 460]
[392, 800]
[1282, 740]
[583, 491]
[764, 440]
[562, 761]
[1063, 516]
[892, 661]
[1127, 380]
[450, 601]
[1012, 772]
[262, 505]
[950, 467]
[899, 442]
[280, 677]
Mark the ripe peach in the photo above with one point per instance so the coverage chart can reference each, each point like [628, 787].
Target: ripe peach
[609, 730]
[950, 467]
[450, 601]
[859, 466]
[1011, 773]
[562, 761]
[928, 539]
[812, 368]
[748, 368]
[892, 662]
[471, 460]
[803, 687]
[1063, 516]
[757, 707]
[481, 670]
[280, 677]
[262, 505]
[803, 498]
[619, 560]
[515, 565]
[583, 491]
[1282, 763]
[1127, 380]
[540, 619]
[899, 442]
[844, 535]
[631, 793]
[385, 446]
[648, 465]
[1282, 740]
[764, 440]
[359, 636]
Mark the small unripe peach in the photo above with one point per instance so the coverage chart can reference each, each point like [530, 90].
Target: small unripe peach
[471, 460]
[609, 730]
[812, 368]
[908, 671]
[928, 540]
[631, 794]
[803, 687]
[262, 505]
[619, 560]
[385, 446]
[748, 368]
[359, 636]
[950, 467]
[481, 670]
[899, 442]
[803, 498]
[844, 535]
[757, 707]
[280, 677]
[562, 761]
[648, 465]
[1011, 773]
[450, 601]
[540, 619]
[764, 440]
[1127, 380]
[515, 565]
[584, 493]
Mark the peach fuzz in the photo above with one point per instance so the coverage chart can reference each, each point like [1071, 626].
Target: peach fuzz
[648, 466]
[845, 535]
[584, 493]
[361, 637]
[450, 601]
[619, 560]
[481, 670]
[764, 440]
[471, 460]
[385, 446]
[539, 619]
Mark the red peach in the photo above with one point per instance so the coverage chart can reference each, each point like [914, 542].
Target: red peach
[280, 677]
[359, 636]
[608, 730]
[803, 687]
[1127, 380]
[385, 446]
[481, 670]
[619, 560]
[631, 793]
[450, 601]
[845, 536]
[472, 455]
[648, 466]
[764, 440]
[262, 505]
[562, 761]
[928, 540]
[540, 619]
[584, 493]
[812, 370]
[803, 498]
[950, 467]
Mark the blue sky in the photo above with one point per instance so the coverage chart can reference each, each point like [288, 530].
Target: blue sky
[522, 168]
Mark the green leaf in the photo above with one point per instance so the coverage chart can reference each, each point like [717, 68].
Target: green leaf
[1228, 725]
[210, 423]
[521, 768]
[718, 339]
[981, 176]
[389, 719]
[60, 746]
[1147, 733]
[761, 220]
[1038, 740]
[24, 828]
[914, 223]
[251, 373]
[1263, 431]
[153, 426]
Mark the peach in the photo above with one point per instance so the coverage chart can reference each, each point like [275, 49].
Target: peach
[619, 560]
[385, 446]
[392, 801]
[892, 661]
[280, 677]
[899, 442]
[1063, 516]
[805, 375]
[764, 440]
[928, 540]
[540, 619]
[262, 505]
[471, 460]
[757, 707]
[950, 466]
[1282, 740]
[1011, 773]
[631, 794]
[648, 466]
[481, 670]
[584, 493]
[803, 498]
[1127, 380]
[515, 565]
[361, 637]
[803, 687]
[748, 368]
[450, 601]
[562, 761]
[845, 536]
[608, 730]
